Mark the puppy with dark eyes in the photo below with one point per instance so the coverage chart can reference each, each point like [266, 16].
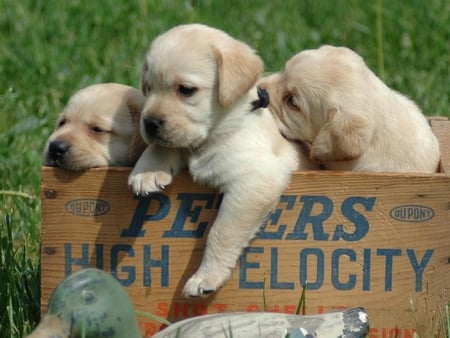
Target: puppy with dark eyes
[98, 127]
[204, 112]
[330, 99]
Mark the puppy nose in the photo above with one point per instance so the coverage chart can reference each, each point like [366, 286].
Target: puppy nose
[152, 125]
[57, 149]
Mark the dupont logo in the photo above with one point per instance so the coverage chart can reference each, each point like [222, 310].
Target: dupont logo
[87, 207]
[412, 213]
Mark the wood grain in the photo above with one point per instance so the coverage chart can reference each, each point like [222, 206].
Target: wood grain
[380, 241]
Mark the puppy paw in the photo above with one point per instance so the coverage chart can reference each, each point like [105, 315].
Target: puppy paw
[148, 182]
[202, 284]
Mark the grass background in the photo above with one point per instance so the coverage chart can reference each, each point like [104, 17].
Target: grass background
[50, 49]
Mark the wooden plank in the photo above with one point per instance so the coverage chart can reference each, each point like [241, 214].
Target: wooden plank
[441, 128]
[374, 240]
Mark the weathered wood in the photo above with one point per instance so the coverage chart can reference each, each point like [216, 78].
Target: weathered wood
[380, 241]
[441, 128]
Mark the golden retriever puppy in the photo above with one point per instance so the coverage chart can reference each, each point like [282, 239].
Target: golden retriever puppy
[204, 112]
[98, 127]
[329, 98]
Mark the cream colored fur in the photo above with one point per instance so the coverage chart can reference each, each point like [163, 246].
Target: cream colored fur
[200, 83]
[98, 127]
[329, 98]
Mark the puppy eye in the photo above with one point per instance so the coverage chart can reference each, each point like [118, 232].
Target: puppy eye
[61, 123]
[186, 91]
[146, 89]
[98, 130]
[290, 100]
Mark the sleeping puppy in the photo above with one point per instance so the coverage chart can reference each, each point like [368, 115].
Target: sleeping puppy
[98, 127]
[329, 98]
[204, 112]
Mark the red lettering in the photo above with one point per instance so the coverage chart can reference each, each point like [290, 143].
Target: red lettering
[394, 332]
[320, 309]
[291, 309]
[162, 309]
[410, 333]
[149, 329]
[252, 308]
[276, 308]
[200, 309]
[180, 310]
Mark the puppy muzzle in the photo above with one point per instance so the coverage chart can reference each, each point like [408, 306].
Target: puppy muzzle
[152, 126]
[55, 153]
[57, 150]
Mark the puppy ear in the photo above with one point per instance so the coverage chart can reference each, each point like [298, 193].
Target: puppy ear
[342, 137]
[144, 83]
[273, 84]
[239, 68]
[137, 144]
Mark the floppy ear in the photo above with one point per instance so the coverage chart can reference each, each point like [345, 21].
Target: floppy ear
[272, 83]
[144, 84]
[137, 143]
[239, 68]
[342, 137]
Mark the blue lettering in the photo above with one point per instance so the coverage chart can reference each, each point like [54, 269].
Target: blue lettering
[366, 270]
[140, 216]
[245, 265]
[69, 261]
[389, 253]
[316, 221]
[187, 211]
[360, 222]
[274, 219]
[350, 284]
[419, 268]
[99, 256]
[274, 284]
[130, 270]
[318, 253]
[150, 263]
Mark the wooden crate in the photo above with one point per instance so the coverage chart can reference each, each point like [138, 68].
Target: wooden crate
[381, 241]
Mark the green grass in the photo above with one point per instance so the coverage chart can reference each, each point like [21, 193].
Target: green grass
[20, 282]
[49, 49]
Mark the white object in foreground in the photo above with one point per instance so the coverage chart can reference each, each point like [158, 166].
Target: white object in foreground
[349, 323]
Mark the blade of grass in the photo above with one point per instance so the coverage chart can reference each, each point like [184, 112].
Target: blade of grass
[264, 295]
[447, 319]
[152, 317]
[302, 302]
[416, 322]
[16, 193]
[19, 272]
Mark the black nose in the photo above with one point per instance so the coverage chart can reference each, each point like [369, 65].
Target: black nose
[152, 125]
[57, 149]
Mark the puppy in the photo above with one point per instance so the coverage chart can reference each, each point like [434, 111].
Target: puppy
[329, 98]
[98, 127]
[204, 112]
